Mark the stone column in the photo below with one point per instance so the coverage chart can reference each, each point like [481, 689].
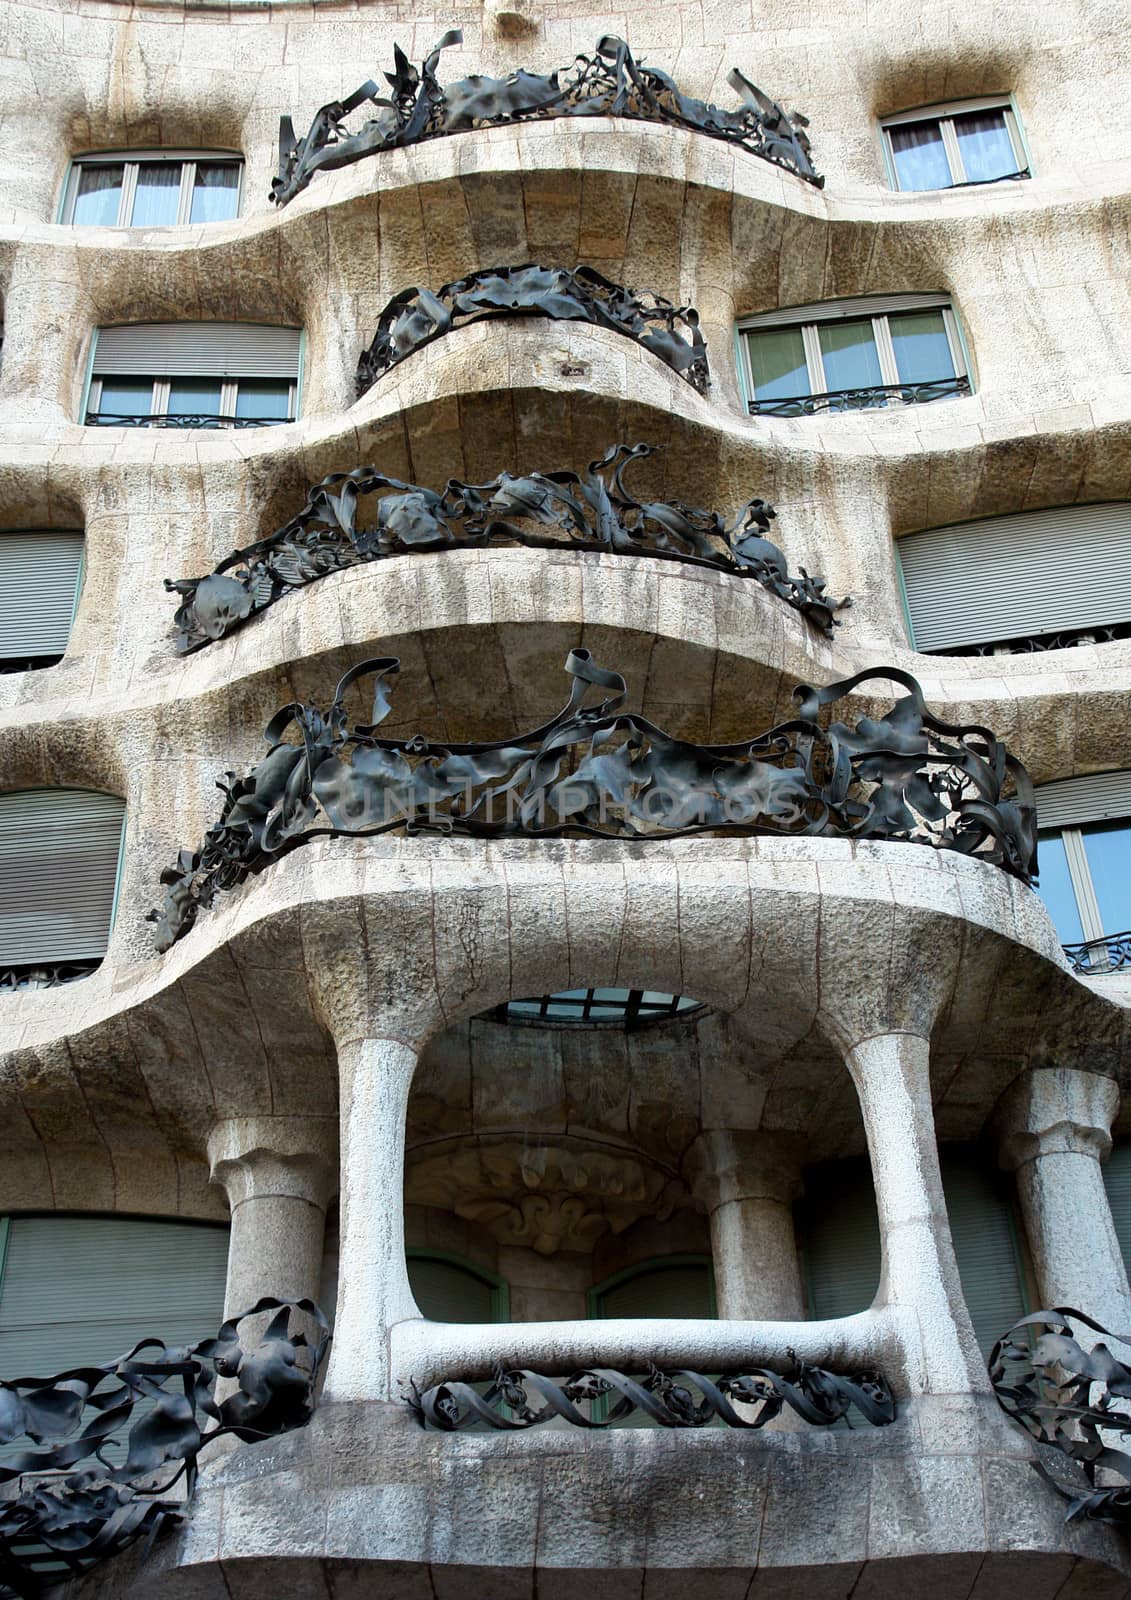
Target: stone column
[1055, 1129]
[748, 1183]
[375, 1077]
[892, 1078]
[279, 1173]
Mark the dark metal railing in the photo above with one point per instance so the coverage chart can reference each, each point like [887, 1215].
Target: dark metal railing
[177, 419]
[45, 975]
[28, 663]
[102, 1455]
[1112, 953]
[872, 397]
[1035, 644]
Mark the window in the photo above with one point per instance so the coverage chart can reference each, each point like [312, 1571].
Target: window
[59, 856]
[839, 1237]
[450, 1290]
[852, 355]
[86, 1289]
[675, 1286]
[1117, 1181]
[152, 188]
[1033, 581]
[944, 147]
[1085, 864]
[40, 575]
[194, 375]
[621, 1008]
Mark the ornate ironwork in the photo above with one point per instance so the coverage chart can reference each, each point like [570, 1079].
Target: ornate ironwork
[1048, 1385]
[595, 511]
[666, 1398]
[56, 1521]
[415, 317]
[599, 771]
[609, 83]
[178, 419]
[46, 975]
[1034, 644]
[1112, 953]
[873, 397]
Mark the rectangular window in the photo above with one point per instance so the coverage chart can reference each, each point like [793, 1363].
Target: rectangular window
[194, 375]
[946, 147]
[853, 355]
[1085, 861]
[39, 583]
[152, 189]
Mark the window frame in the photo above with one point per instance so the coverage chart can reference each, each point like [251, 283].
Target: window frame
[640, 1269]
[944, 114]
[498, 1285]
[871, 307]
[229, 396]
[1073, 833]
[130, 161]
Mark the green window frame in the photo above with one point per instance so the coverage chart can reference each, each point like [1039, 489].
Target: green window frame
[498, 1286]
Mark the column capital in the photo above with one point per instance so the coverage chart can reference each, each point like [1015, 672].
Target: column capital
[1056, 1111]
[257, 1157]
[724, 1165]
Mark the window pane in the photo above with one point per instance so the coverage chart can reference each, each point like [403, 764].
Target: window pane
[126, 397]
[922, 351]
[777, 360]
[986, 149]
[158, 194]
[848, 350]
[267, 398]
[215, 192]
[1055, 889]
[195, 397]
[1108, 849]
[920, 159]
[99, 192]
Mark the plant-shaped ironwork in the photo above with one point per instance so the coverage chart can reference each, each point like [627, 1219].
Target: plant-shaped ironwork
[543, 510]
[601, 1397]
[415, 317]
[1073, 1400]
[134, 1429]
[603, 772]
[609, 83]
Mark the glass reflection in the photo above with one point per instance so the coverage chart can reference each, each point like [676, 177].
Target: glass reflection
[922, 350]
[98, 196]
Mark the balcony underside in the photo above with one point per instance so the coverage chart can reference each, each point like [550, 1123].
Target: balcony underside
[798, 942]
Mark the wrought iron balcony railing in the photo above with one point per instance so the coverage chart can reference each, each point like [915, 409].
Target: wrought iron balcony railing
[873, 397]
[45, 974]
[1112, 953]
[112, 1442]
[178, 419]
[1035, 644]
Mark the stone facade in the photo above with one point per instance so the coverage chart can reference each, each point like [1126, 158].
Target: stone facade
[321, 1045]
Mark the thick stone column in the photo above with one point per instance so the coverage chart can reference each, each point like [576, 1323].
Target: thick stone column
[375, 1078]
[748, 1183]
[1055, 1129]
[892, 1078]
[279, 1173]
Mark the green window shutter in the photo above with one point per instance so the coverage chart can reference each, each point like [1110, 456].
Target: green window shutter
[838, 310]
[39, 579]
[59, 854]
[841, 1241]
[1070, 802]
[1019, 576]
[839, 1237]
[680, 1288]
[86, 1289]
[448, 1291]
[197, 350]
[1117, 1181]
[985, 1244]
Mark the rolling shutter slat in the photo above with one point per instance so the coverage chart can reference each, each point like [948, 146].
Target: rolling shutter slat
[197, 350]
[1117, 1181]
[77, 1289]
[982, 1231]
[59, 853]
[1072, 801]
[839, 310]
[39, 576]
[1019, 576]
